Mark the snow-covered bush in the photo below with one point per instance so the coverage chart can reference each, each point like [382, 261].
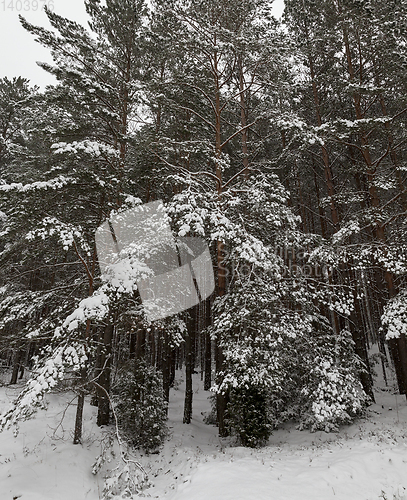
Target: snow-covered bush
[124, 482]
[394, 318]
[332, 394]
[140, 406]
[336, 400]
[247, 416]
[280, 367]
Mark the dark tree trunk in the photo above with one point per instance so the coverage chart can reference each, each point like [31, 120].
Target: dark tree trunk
[172, 366]
[166, 362]
[398, 349]
[77, 439]
[359, 338]
[16, 365]
[132, 345]
[152, 346]
[221, 399]
[208, 347]
[188, 380]
[208, 362]
[159, 352]
[140, 347]
[189, 363]
[103, 381]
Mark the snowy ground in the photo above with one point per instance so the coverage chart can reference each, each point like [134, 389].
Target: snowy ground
[365, 461]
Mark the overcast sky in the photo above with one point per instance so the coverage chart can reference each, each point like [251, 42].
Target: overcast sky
[18, 50]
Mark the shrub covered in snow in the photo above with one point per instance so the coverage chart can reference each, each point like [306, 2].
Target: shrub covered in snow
[282, 365]
[247, 416]
[332, 393]
[140, 406]
[394, 318]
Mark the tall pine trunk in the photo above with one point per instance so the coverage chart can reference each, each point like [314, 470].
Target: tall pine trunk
[104, 371]
[398, 347]
[189, 363]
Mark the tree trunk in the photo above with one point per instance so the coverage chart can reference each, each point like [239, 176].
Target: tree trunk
[221, 399]
[208, 347]
[243, 119]
[173, 366]
[77, 439]
[18, 354]
[166, 362]
[189, 364]
[325, 157]
[103, 380]
[208, 362]
[140, 346]
[359, 338]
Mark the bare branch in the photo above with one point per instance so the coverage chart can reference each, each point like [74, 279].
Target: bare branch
[238, 132]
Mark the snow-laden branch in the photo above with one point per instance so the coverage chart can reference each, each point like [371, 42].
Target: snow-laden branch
[92, 148]
[394, 317]
[52, 184]
[71, 356]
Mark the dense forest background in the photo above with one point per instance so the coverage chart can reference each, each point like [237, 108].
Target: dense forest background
[282, 145]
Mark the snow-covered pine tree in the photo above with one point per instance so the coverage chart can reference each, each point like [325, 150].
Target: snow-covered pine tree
[84, 180]
[221, 59]
[352, 100]
[277, 346]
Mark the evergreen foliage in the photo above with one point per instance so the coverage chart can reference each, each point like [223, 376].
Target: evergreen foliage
[284, 149]
[140, 406]
[247, 416]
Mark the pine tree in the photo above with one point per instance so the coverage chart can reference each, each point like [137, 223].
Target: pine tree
[221, 59]
[349, 74]
[96, 100]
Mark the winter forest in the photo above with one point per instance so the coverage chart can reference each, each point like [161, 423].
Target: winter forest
[281, 144]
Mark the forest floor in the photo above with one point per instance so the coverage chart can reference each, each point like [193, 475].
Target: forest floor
[364, 461]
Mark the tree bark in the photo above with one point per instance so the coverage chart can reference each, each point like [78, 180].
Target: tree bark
[18, 354]
[208, 362]
[189, 364]
[166, 362]
[359, 338]
[173, 362]
[103, 391]
[77, 439]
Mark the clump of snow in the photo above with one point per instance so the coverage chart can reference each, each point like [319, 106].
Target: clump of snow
[92, 148]
[57, 183]
[67, 234]
[94, 307]
[394, 318]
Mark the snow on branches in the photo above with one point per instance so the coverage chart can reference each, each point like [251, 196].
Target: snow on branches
[92, 148]
[64, 232]
[52, 184]
[70, 356]
[394, 317]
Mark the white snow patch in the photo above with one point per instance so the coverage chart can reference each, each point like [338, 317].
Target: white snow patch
[364, 461]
